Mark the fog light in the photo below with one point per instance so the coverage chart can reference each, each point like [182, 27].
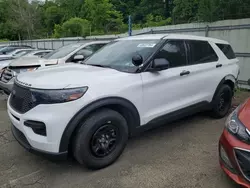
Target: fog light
[225, 157]
[37, 127]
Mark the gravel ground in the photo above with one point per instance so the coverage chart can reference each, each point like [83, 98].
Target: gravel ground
[183, 154]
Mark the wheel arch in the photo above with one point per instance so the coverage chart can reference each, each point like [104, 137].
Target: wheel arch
[228, 80]
[126, 108]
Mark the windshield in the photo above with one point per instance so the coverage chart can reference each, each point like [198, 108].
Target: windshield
[22, 53]
[62, 52]
[118, 55]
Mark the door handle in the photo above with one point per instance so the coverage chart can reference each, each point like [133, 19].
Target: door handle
[184, 73]
[218, 65]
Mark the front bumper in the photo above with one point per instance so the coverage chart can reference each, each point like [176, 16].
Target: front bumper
[19, 136]
[233, 147]
[7, 87]
[55, 118]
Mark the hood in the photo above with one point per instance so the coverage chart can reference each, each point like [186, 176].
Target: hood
[31, 61]
[5, 63]
[25, 61]
[66, 76]
[244, 114]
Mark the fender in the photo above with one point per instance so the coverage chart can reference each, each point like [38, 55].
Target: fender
[230, 78]
[131, 112]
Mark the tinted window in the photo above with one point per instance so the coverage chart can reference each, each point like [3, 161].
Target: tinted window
[201, 52]
[227, 50]
[94, 47]
[40, 53]
[174, 52]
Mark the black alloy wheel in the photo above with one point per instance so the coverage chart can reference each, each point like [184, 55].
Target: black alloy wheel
[104, 140]
[222, 101]
[100, 139]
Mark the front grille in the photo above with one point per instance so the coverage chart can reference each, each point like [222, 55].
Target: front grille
[21, 99]
[7, 75]
[243, 159]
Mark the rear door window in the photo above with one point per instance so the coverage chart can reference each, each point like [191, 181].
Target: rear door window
[201, 52]
[227, 50]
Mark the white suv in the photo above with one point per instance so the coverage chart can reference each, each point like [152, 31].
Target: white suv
[132, 84]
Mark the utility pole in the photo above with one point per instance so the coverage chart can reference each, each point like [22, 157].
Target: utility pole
[129, 26]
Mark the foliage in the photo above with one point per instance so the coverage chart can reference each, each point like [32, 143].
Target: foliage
[53, 15]
[75, 27]
[185, 10]
[27, 19]
[104, 16]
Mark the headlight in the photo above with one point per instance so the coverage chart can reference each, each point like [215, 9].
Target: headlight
[57, 96]
[236, 128]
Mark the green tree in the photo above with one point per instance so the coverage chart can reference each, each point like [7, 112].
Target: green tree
[185, 11]
[102, 15]
[207, 11]
[53, 15]
[71, 8]
[72, 28]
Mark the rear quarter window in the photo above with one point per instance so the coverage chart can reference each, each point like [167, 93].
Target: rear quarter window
[227, 50]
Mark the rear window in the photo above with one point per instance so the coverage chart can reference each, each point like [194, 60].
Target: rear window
[227, 50]
[201, 52]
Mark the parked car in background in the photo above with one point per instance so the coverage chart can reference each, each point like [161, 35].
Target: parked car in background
[38, 53]
[3, 64]
[234, 145]
[67, 54]
[73, 52]
[5, 60]
[2, 46]
[10, 48]
[131, 85]
[16, 53]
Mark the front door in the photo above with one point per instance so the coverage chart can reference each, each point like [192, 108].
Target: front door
[168, 90]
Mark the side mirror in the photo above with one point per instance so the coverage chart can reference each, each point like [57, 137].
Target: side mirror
[78, 58]
[137, 60]
[160, 64]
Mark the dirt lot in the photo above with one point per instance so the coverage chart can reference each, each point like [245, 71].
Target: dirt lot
[179, 155]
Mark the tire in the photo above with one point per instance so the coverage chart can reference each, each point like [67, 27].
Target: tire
[222, 101]
[89, 137]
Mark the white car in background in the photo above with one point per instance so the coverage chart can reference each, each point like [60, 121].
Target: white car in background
[37, 53]
[16, 53]
[73, 53]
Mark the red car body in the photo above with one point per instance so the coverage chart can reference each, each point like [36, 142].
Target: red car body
[235, 153]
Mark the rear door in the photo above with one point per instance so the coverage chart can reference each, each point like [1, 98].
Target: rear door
[205, 69]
